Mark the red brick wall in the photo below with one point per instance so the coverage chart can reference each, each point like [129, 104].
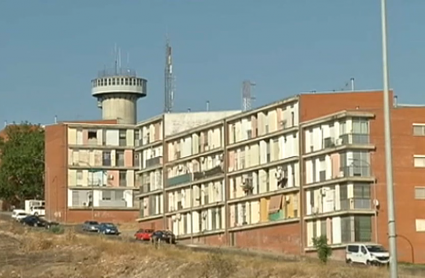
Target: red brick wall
[156, 224]
[284, 238]
[406, 177]
[115, 216]
[56, 171]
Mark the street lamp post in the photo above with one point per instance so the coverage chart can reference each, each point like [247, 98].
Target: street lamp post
[388, 155]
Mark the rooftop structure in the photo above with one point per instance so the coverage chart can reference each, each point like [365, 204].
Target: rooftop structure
[117, 91]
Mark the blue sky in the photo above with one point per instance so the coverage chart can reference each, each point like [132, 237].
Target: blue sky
[50, 50]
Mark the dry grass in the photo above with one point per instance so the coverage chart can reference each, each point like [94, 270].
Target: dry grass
[79, 256]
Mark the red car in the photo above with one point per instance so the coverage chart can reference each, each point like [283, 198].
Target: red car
[143, 234]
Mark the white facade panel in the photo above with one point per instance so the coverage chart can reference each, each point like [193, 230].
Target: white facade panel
[128, 197]
[69, 198]
[112, 137]
[79, 137]
[336, 230]
[72, 136]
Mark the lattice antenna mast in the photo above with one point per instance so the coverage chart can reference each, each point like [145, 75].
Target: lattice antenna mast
[247, 95]
[168, 80]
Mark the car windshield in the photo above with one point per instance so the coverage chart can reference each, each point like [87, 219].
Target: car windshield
[22, 213]
[109, 225]
[375, 248]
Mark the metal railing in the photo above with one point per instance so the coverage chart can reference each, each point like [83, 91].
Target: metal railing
[117, 72]
[356, 204]
[356, 171]
[354, 138]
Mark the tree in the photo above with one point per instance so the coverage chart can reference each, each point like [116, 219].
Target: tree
[21, 163]
[324, 251]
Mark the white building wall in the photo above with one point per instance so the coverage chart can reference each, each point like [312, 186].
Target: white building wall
[336, 230]
[178, 122]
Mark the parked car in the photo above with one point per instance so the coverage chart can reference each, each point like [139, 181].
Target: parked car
[163, 235]
[368, 254]
[17, 212]
[35, 221]
[90, 226]
[144, 234]
[20, 215]
[108, 229]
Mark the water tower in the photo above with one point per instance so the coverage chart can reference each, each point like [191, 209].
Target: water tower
[117, 91]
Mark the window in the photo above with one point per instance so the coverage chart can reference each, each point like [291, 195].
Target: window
[342, 127]
[123, 178]
[123, 137]
[136, 137]
[362, 228]
[119, 195]
[92, 134]
[243, 213]
[419, 193]
[106, 158]
[360, 126]
[107, 195]
[420, 225]
[362, 191]
[419, 129]
[353, 248]
[119, 159]
[419, 161]
[346, 229]
[79, 177]
[323, 228]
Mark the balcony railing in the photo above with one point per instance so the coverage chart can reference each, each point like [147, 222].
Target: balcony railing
[154, 161]
[355, 171]
[145, 188]
[181, 179]
[356, 204]
[354, 138]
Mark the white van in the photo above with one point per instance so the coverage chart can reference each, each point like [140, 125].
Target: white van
[368, 254]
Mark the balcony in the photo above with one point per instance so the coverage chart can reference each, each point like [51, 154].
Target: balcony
[145, 188]
[356, 204]
[354, 139]
[208, 173]
[151, 162]
[355, 171]
[181, 179]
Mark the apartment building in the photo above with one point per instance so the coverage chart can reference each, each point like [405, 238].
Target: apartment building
[277, 176]
[151, 151]
[90, 169]
[98, 170]
[339, 181]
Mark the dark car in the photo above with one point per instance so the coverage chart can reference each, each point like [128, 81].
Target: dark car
[108, 229]
[90, 226]
[163, 236]
[35, 221]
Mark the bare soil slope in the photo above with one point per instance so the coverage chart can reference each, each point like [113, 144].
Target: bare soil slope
[26, 253]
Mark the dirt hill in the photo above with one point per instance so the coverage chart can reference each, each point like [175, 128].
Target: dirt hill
[28, 253]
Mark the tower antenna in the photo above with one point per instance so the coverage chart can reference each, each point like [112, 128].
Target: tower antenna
[247, 95]
[168, 79]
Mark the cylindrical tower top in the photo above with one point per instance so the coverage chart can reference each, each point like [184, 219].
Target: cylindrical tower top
[118, 81]
[117, 92]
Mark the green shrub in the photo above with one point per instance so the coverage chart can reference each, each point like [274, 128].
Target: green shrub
[56, 229]
[324, 251]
